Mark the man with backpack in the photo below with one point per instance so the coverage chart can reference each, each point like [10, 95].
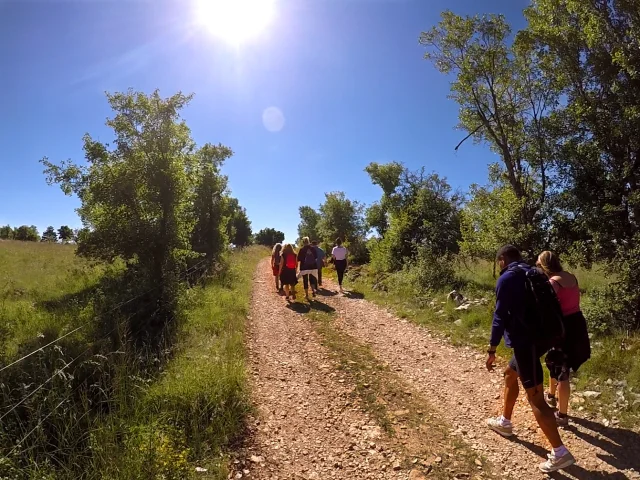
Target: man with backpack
[320, 255]
[308, 259]
[528, 315]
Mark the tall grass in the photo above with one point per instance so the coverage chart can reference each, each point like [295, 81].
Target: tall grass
[109, 415]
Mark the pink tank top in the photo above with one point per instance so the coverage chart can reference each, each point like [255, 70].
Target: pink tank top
[569, 298]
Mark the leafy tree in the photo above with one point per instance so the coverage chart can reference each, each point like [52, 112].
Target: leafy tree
[588, 49]
[504, 102]
[388, 178]
[49, 235]
[6, 232]
[239, 226]
[210, 206]
[344, 218]
[65, 233]
[269, 237]
[137, 199]
[421, 213]
[308, 226]
[26, 233]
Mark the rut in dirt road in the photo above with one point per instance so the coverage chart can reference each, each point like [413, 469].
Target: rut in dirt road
[455, 380]
[311, 421]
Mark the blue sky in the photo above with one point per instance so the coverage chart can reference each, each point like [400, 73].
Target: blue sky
[348, 76]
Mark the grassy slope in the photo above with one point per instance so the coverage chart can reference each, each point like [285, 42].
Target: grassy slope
[43, 290]
[196, 409]
[614, 358]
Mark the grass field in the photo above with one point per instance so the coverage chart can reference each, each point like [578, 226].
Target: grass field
[613, 369]
[154, 427]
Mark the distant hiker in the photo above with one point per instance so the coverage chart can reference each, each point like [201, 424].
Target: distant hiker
[339, 256]
[576, 348]
[288, 266]
[275, 264]
[308, 259]
[321, 260]
[520, 318]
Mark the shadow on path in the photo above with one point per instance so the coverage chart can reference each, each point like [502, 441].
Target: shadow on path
[312, 305]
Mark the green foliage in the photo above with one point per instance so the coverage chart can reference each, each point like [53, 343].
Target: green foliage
[420, 215]
[26, 234]
[50, 235]
[269, 237]
[343, 218]
[308, 226]
[239, 226]
[504, 102]
[6, 232]
[491, 219]
[146, 200]
[65, 233]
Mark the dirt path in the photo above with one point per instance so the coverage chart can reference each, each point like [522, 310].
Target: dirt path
[308, 426]
[465, 394]
[345, 390]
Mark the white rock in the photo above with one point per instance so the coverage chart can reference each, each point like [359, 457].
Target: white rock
[591, 394]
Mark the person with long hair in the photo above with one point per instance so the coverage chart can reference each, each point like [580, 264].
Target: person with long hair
[576, 348]
[275, 264]
[513, 308]
[339, 255]
[288, 271]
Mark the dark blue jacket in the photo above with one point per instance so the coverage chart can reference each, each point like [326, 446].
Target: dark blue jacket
[508, 318]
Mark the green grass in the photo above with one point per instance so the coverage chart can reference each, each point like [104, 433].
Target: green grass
[614, 357]
[44, 289]
[126, 424]
[196, 409]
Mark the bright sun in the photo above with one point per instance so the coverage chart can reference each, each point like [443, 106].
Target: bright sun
[235, 20]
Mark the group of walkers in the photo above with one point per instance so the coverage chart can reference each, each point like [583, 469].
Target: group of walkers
[537, 312]
[288, 266]
[528, 300]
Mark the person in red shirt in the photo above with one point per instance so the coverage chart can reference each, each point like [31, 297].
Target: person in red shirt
[288, 271]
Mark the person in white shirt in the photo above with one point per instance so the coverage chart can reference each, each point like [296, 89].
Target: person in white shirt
[339, 255]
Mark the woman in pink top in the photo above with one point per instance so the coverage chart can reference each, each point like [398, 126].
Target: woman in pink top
[576, 349]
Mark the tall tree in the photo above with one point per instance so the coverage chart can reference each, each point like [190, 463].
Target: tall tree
[239, 226]
[308, 226]
[589, 50]
[269, 237]
[136, 198]
[26, 233]
[65, 233]
[342, 217]
[210, 206]
[49, 235]
[6, 232]
[504, 102]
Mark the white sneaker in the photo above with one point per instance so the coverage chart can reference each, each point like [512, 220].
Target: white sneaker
[554, 463]
[497, 426]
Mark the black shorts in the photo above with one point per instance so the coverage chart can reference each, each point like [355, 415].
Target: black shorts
[526, 362]
[574, 352]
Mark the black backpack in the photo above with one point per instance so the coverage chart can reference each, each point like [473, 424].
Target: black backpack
[310, 260]
[543, 315]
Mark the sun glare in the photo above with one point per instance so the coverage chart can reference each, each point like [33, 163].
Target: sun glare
[235, 21]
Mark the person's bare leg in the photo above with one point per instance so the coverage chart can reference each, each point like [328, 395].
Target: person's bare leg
[553, 386]
[286, 291]
[511, 391]
[544, 415]
[564, 390]
[277, 284]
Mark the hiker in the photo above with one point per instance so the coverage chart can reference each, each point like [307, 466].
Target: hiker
[576, 348]
[320, 255]
[308, 259]
[516, 309]
[275, 264]
[339, 256]
[288, 277]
